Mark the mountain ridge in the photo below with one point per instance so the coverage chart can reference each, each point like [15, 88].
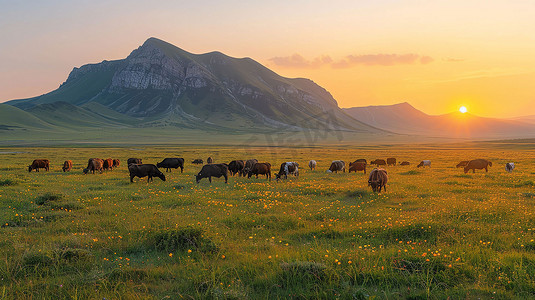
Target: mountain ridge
[403, 118]
[164, 84]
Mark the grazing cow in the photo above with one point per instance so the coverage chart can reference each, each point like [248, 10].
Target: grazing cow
[337, 165]
[171, 163]
[391, 161]
[249, 164]
[236, 167]
[144, 170]
[108, 164]
[197, 161]
[312, 165]
[286, 169]
[116, 162]
[378, 162]
[39, 164]
[213, 170]
[462, 164]
[94, 164]
[404, 163]
[137, 161]
[209, 160]
[378, 179]
[477, 164]
[67, 165]
[362, 160]
[357, 166]
[260, 169]
[424, 163]
[509, 167]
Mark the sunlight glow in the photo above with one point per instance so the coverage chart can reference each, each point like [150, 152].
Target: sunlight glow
[463, 109]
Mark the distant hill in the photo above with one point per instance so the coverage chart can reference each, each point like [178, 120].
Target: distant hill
[15, 118]
[525, 119]
[405, 119]
[161, 85]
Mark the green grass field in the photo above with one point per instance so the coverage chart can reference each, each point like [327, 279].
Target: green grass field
[436, 232]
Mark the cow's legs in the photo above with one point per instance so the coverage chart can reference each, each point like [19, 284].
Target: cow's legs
[226, 178]
[210, 179]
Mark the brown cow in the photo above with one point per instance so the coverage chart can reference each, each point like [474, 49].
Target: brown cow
[260, 169]
[94, 164]
[337, 165]
[116, 162]
[209, 160]
[67, 165]
[404, 163]
[378, 179]
[39, 164]
[477, 164]
[249, 164]
[357, 166]
[391, 161]
[462, 164]
[108, 164]
[378, 162]
[360, 160]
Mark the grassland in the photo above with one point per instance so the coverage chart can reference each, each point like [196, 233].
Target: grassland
[436, 232]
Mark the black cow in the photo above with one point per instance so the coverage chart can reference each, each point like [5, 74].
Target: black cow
[171, 163]
[197, 161]
[213, 170]
[144, 170]
[137, 161]
[236, 167]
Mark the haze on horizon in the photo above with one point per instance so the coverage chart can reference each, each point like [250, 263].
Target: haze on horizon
[437, 55]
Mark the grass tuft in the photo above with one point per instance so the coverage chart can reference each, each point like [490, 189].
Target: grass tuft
[7, 182]
[181, 240]
[411, 172]
[43, 199]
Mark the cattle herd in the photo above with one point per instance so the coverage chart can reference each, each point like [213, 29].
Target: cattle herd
[377, 179]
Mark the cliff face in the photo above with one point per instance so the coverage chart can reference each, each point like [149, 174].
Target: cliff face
[169, 85]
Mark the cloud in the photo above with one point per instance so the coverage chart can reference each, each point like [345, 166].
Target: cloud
[298, 61]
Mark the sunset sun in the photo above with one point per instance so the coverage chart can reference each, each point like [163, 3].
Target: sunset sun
[463, 109]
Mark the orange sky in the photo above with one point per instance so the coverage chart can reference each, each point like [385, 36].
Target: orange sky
[436, 55]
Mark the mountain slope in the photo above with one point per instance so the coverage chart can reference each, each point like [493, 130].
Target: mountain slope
[162, 85]
[405, 119]
[15, 118]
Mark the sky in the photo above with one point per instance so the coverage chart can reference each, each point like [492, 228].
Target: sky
[436, 55]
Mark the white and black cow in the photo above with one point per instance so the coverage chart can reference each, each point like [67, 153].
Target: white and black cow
[288, 168]
[509, 167]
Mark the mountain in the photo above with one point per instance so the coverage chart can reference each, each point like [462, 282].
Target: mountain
[161, 85]
[405, 119]
[525, 119]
